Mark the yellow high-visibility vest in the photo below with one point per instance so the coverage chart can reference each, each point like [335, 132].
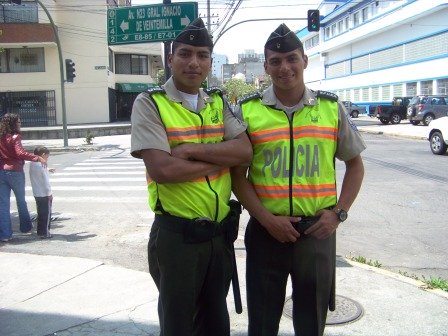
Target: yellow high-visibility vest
[207, 196]
[293, 167]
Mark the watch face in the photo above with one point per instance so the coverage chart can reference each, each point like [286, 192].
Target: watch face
[342, 214]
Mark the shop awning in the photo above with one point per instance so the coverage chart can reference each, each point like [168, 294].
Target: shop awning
[133, 87]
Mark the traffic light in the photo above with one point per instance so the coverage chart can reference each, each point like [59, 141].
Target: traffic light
[313, 20]
[69, 70]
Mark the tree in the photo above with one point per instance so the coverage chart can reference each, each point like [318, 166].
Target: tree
[161, 77]
[237, 88]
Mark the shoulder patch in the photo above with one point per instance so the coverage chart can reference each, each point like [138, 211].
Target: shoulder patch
[250, 96]
[156, 89]
[327, 95]
[213, 89]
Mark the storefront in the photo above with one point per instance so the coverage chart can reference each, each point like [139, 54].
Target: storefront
[124, 96]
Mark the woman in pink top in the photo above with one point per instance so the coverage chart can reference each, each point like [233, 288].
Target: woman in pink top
[12, 176]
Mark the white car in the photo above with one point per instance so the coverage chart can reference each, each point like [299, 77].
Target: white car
[438, 135]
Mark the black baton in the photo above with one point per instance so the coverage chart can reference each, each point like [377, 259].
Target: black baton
[236, 285]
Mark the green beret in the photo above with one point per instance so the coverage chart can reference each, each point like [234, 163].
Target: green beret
[283, 40]
[195, 34]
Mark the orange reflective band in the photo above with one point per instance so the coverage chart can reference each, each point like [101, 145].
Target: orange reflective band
[298, 132]
[297, 191]
[188, 133]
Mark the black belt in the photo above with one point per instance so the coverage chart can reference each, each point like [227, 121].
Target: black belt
[178, 224]
[305, 223]
[196, 230]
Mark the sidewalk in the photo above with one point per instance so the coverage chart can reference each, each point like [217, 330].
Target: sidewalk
[50, 295]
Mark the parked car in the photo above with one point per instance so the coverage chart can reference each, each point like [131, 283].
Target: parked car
[393, 113]
[425, 108]
[438, 135]
[353, 109]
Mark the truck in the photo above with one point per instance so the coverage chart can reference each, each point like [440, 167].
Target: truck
[354, 110]
[393, 113]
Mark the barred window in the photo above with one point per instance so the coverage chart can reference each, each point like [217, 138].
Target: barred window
[426, 87]
[375, 93]
[385, 92]
[411, 89]
[442, 86]
[17, 60]
[365, 94]
[129, 64]
[398, 90]
[356, 95]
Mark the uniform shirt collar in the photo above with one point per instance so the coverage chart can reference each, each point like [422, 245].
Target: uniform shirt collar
[173, 94]
[269, 98]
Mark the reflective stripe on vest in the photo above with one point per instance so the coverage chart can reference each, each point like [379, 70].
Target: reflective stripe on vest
[293, 169]
[206, 196]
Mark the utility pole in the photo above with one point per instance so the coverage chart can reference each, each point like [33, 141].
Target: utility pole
[166, 50]
[61, 70]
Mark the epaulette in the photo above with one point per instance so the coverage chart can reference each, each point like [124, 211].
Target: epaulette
[213, 89]
[250, 96]
[328, 95]
[155, 89]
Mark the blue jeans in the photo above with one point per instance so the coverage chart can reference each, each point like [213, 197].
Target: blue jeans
[15, 181]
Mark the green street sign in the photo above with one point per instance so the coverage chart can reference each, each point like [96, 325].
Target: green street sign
[152, 23]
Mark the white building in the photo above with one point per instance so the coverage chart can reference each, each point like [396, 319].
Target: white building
[218, 62]
[370, 51]
[107, 77]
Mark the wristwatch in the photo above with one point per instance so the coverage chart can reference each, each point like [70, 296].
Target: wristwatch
[341, 213]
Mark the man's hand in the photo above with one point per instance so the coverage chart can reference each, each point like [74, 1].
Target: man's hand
[281, 229]
[327, 224]
[182, 151]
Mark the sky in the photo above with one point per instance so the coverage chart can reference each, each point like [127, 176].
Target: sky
[249, 35]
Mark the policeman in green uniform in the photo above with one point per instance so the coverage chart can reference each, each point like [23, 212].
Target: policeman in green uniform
[188, 140]
[290, 191]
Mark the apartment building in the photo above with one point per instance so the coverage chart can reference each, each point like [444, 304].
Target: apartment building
[371, 51]
[108, 78]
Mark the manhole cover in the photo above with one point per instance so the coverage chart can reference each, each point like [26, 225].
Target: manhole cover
[346, 311]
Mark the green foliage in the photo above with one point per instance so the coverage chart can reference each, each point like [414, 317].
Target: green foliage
[236, 89]
[161, 77]
[363, 260]
[436, 283]
[89, 138]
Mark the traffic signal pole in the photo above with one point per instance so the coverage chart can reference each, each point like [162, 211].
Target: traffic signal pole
[61, 71]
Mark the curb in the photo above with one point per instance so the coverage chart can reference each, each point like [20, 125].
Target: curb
[417, 283]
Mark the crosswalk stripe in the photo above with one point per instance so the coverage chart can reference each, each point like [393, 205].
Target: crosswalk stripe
[96, 188]
[108, 168]
[98, 179]
[141, 172]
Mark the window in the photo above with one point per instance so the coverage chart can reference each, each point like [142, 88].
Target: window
[442, 86]
[111, 60]
[355, 19]
[411, 89]
[333, 29]
[426, 87]
[18, 60]
[340, 26]
[385, 92]
[347, 23]
[129, 64]
[365, 14]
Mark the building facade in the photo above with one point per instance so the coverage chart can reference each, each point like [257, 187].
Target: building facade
[371, 51]
[107, 77]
